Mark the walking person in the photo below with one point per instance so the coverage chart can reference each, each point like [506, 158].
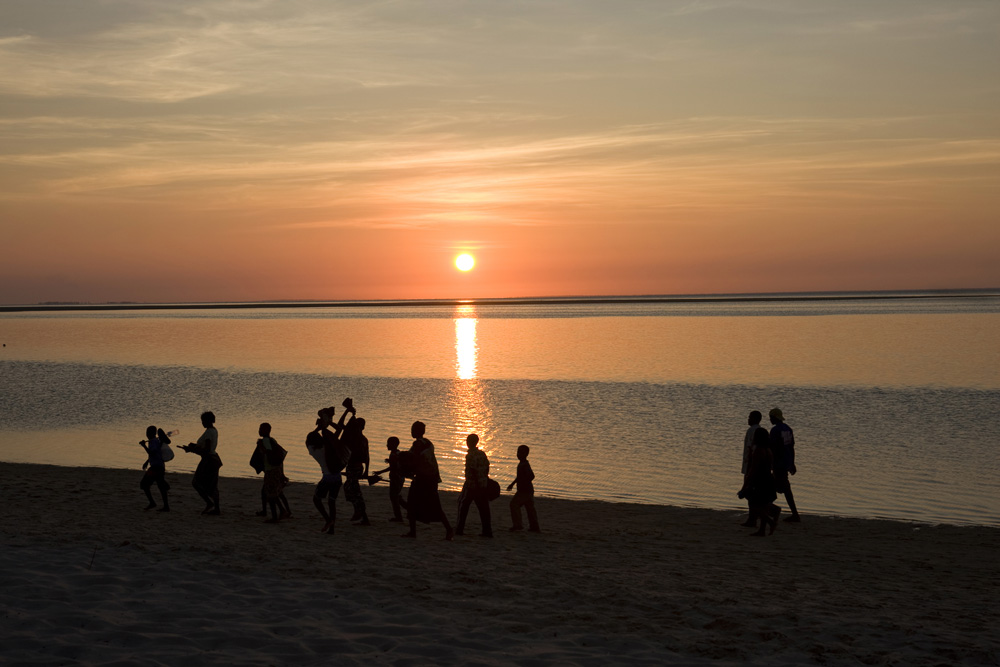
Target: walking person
[206, 475]
[477, 476]
[423, 503]
[753, 423]
[782, 443]
[525, 494]
[759, 487]
[357, 468]
[154, 467]
[331, 455]
[396, 479]
[269, 458]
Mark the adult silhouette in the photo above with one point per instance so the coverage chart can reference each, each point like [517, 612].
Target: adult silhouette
[477, 476]
[423, 502]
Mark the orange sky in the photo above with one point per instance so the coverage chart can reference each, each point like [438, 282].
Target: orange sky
[331, 150]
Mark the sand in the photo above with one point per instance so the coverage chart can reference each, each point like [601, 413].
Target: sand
[88, 577]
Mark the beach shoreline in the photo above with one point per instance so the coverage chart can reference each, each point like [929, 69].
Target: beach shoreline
[90, 578]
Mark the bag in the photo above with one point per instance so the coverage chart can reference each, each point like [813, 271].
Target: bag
[492, 489]
[166, 453]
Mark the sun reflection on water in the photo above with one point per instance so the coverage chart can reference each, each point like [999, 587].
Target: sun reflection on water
[468, 400]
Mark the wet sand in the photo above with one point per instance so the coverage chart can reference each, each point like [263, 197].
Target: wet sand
[88, 577]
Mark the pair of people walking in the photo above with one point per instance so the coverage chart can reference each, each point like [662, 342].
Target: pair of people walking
[768, 460]
[206, 475]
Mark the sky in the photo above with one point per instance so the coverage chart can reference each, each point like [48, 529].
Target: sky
[344, 149]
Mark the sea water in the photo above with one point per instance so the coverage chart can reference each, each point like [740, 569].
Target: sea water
[893, 401]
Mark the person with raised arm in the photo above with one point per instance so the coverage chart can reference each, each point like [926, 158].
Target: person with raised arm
[154, 467]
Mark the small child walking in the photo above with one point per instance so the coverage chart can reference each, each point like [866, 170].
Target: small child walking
[525, 494]
[155, 468]
[395, 479]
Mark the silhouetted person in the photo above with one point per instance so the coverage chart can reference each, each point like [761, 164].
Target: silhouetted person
[477, 475]
[753, 422]
[395, 479]
[269, 457]
[759, 487]
[206, 475]
[154, 467]
[331, 455]
[783, 449]
[525, 494]
[423, 503]
[357, 468]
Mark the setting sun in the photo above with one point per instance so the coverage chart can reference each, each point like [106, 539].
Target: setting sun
[465, 262]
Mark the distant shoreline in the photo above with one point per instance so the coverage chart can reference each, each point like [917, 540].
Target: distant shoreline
[518, 301]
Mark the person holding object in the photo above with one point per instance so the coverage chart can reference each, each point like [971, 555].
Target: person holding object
[269, 457]
[477, 476]
[206, 475]
[154, 467]
[331, 455]
[525, 495]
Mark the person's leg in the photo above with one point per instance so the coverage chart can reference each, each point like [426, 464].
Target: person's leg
[286, 510]
[529, 506]
[161, 484]
[449, 532]
[749, 523]
[791, 504]
[263, 501]
[483, 505]
[515, 512]
[395, 490]
[145, 484]
[336, 483]
[463, 512]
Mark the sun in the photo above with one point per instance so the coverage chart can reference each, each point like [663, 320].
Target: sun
[465, 262]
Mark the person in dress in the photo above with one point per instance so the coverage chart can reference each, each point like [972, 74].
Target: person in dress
[155, 469]
[759, 486]
[206, 475]
[753, 424]
[423, 502]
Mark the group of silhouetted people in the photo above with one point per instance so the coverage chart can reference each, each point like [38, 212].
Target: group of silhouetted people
[768, 460]
[340, 448]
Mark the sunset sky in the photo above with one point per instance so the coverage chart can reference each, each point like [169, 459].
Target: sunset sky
[321, 149]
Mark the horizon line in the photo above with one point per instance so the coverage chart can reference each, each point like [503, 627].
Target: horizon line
[847, 295]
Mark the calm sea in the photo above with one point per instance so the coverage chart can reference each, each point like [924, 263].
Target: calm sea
[894, 402]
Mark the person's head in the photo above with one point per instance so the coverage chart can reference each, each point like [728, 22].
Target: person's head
[265, 430]
[754, 418]
[775, 416]
[150, 432]
[359, 424]
[392, 444]
[207, 419]
[522, 452]
[471, 441]
[325, 417]
[760, 438]
[418, 429]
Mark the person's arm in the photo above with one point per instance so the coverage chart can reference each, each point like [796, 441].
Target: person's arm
[145, 464]
[791, 452]
[368, 456]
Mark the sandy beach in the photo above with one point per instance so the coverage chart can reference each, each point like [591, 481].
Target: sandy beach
[88, 577]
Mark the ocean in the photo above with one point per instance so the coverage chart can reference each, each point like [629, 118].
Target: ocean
[893, 398]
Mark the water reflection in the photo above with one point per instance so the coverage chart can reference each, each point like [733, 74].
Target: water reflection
[465, 342]
[468, 399]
